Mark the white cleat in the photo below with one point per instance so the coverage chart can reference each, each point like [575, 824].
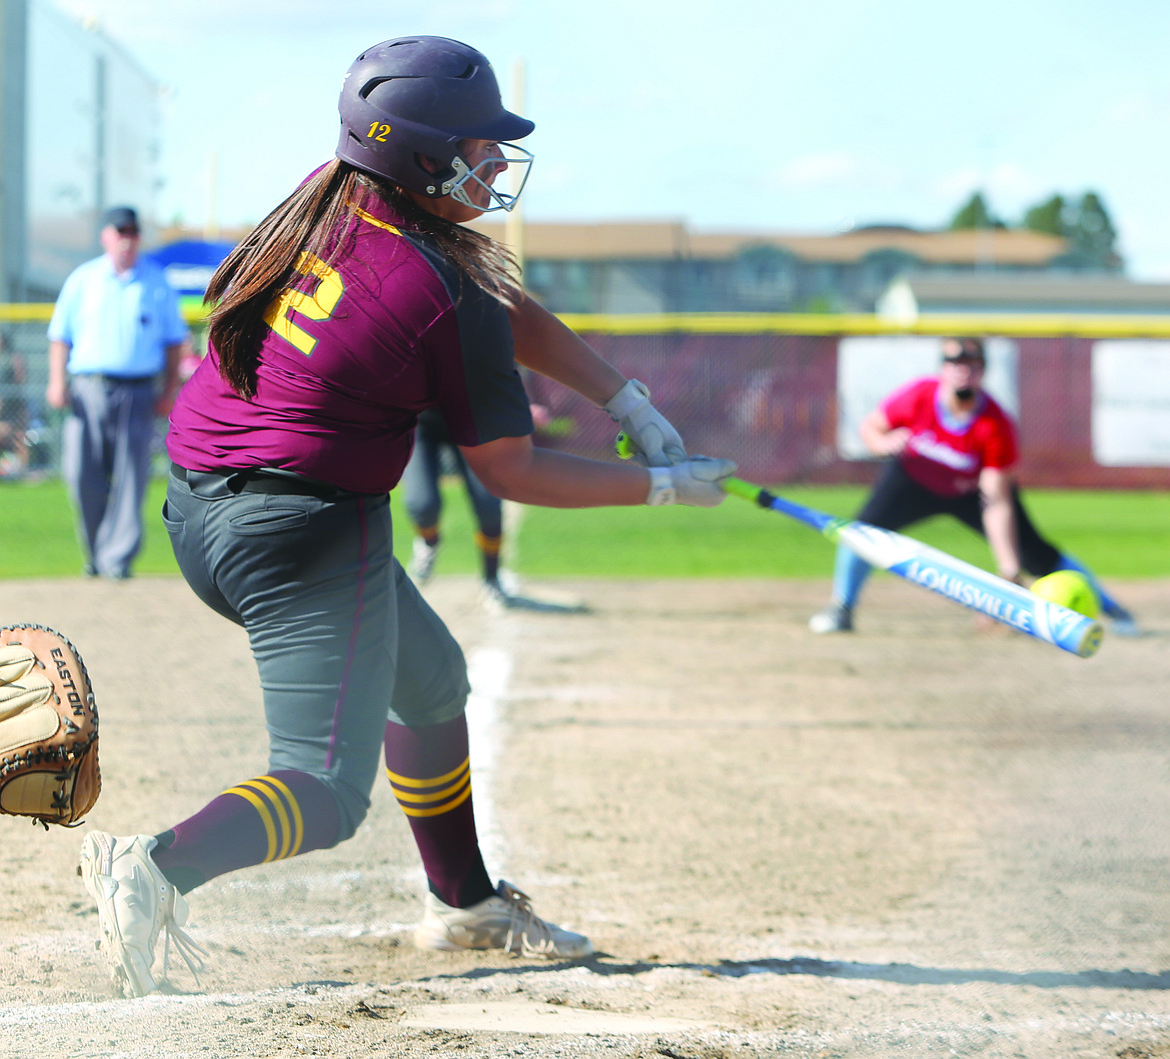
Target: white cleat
[496, 599]
[505, 921]
[135, 901]
[834, 618]
[423, 557]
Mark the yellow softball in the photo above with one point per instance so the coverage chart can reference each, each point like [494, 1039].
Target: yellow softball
[1069, 589]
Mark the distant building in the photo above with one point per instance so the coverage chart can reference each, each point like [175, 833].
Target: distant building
[79, 125]
[911, 297]
[666, 267]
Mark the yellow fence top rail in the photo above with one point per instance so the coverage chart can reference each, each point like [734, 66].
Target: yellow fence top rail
[1021, 324]
[1095, 326]
[21, 313]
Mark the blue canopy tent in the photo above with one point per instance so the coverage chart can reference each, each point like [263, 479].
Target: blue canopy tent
[189, 265]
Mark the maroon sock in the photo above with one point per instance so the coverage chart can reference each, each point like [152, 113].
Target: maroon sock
[267, 818]
[489, 553]
[430, 773]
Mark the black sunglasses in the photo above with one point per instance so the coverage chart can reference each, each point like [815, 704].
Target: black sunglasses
[963, 358]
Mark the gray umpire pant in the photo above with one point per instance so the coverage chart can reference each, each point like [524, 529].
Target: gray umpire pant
[105, 461]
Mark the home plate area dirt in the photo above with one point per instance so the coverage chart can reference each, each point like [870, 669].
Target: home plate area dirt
[922, 839]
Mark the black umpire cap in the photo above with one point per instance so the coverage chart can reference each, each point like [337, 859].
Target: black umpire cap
[121, 217]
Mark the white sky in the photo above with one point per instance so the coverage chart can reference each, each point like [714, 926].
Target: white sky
[766, 114]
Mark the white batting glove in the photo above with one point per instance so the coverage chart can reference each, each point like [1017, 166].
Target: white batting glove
[654, 441]
[697, 481]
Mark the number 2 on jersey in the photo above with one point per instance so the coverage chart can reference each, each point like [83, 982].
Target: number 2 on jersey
[316, 306]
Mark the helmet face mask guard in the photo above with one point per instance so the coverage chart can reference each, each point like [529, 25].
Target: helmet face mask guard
[467, 180]
[405, 106]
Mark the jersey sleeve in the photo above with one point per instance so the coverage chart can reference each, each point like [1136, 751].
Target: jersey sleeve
[899, 407]
[61, 322]
[1000, 446]
[481, 393]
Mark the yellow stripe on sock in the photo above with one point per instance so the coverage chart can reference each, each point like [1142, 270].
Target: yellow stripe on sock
[463, 793]
[488, 545]
[436, 795]
[435, 781]
[264, 794]
[284, 831]
[293, 846]
[441, 794]
[265, 816]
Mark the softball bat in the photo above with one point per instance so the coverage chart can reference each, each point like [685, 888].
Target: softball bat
[943, 574]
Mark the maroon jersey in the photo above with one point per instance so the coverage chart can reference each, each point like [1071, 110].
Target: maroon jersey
[943, 454]
[353, 352]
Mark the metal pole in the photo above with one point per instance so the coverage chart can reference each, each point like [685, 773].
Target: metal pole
[13, 149]
[101, 125]
[514, 222]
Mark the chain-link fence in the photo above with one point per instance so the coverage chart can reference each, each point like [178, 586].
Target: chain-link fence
[30, 431]
[1093, 409]
[778, 394]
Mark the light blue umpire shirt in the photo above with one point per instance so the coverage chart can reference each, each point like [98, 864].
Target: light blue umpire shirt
[117, 325]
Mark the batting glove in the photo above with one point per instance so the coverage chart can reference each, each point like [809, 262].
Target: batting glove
[654, 441]
[697, 481]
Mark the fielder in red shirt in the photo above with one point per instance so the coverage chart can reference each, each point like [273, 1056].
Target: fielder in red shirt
[951, 450]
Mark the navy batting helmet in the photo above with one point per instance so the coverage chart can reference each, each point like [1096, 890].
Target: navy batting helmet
[417, 97]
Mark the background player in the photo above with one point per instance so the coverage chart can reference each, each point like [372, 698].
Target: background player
[951, 451]
[360, 301]
[423, 498]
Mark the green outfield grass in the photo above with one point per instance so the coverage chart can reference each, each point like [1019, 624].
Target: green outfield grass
[1119, 534]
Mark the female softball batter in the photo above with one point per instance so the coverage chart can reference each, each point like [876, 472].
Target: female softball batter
[356, 304]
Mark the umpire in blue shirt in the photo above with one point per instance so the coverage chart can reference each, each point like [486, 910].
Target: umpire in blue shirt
[115, 340]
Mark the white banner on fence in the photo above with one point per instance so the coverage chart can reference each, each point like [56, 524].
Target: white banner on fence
[1131, 403]
[869, 368]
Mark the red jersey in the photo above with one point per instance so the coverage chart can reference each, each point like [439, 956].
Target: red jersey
[945, 455]
[354, 350]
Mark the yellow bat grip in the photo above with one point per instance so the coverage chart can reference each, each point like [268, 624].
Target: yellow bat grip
[745, 490]
[733, 486]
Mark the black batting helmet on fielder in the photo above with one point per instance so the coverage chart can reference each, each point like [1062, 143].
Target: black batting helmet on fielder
[415, 98]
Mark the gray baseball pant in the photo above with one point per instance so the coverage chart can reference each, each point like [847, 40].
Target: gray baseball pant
[343, 640]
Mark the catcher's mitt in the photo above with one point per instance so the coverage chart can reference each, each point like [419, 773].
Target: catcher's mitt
[48, 728]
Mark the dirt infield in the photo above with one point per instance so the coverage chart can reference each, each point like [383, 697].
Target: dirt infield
[920, 840]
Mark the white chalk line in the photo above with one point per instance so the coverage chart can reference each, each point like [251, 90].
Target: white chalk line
[490, 670]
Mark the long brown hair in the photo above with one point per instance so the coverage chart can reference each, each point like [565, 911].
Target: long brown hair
[318, 218]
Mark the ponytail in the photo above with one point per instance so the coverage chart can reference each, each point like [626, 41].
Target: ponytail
[318, 218]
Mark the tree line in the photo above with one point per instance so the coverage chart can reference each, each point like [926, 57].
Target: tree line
[1083, 221]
